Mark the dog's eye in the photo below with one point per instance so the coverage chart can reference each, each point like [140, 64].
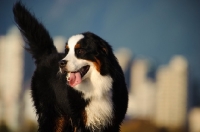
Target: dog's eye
[80, 51]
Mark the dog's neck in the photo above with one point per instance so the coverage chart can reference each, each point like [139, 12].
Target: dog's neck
[95, 86]
[97, 89]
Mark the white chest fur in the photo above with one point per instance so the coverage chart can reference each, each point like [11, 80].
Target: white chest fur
[98, 89]
[99, 111]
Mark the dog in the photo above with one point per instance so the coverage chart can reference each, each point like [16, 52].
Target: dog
[81, 90]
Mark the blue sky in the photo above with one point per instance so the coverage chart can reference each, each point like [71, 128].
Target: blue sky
[154, 29]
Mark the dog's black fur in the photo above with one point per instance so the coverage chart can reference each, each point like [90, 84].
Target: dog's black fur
[59, 107]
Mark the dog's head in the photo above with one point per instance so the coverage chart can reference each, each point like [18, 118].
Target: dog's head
[86, 55]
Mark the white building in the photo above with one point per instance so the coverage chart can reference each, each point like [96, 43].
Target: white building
[28, 113]
[11, 76]
[194, 120]
[142, 91]
[171, 98]
[59, 43]
[124, 56]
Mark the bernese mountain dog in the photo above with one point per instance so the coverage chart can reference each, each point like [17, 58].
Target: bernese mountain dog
[81, 90]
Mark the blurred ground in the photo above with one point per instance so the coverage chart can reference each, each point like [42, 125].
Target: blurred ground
[145, 126]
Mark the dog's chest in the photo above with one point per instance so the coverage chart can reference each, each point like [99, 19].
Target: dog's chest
[98, 89]
[99, 112]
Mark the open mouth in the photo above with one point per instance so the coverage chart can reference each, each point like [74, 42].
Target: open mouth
[84, 70]
[74, 78]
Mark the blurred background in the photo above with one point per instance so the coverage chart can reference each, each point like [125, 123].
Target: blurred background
[156, 42]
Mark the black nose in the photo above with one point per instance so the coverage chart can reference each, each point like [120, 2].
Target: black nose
[62, 63]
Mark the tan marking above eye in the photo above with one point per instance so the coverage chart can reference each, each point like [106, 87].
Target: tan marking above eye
[77, 46]
[67, 47]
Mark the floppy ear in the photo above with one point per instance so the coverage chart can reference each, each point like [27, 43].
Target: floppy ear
[104, 47]
[105, 50]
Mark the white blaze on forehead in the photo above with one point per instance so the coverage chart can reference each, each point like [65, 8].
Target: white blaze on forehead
[73, 40]
[73, 63]
[71, 44]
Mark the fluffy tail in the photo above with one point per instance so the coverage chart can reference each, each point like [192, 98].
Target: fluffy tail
[35, 35]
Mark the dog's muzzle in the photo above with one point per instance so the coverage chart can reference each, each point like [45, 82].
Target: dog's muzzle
[62, 65]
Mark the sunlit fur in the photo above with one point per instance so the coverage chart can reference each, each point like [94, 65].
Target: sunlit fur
[99, 92]
[98, 103]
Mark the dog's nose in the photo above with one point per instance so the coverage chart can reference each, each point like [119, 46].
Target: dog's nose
[62, 63]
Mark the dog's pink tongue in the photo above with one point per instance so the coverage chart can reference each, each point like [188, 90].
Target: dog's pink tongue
[75, 78]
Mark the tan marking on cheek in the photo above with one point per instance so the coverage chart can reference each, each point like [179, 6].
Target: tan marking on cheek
[60, 124]
[77, 46]
[97, 64]
[67, 47]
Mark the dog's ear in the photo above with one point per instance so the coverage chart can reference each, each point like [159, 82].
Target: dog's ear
[105, 50]
[104, 47]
